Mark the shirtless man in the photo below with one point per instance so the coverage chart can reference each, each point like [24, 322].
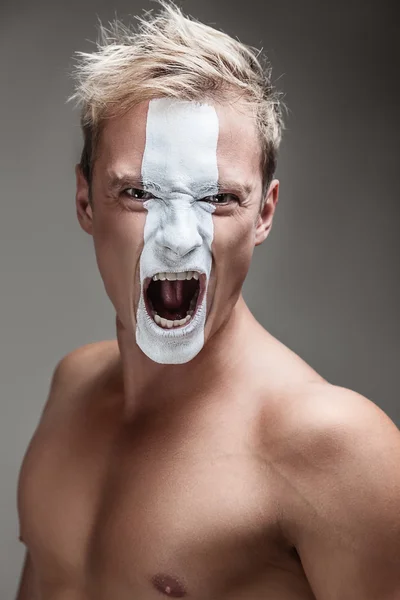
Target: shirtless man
[196, 456]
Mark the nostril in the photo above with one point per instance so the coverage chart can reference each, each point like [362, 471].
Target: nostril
[180, 248]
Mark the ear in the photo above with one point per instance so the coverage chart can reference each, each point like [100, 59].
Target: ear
[83, 207]
[264, 222]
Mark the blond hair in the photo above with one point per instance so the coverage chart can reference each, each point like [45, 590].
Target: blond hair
[171, 55]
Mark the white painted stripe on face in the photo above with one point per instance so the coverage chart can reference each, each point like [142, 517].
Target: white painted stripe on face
[179, 167]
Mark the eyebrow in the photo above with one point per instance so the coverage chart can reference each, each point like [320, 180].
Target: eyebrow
[116, 182]
[243, 189]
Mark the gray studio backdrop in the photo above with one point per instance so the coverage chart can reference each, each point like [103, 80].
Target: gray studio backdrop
[326, 282]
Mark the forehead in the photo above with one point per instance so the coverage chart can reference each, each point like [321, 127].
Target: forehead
[181, 146]
[183, 134]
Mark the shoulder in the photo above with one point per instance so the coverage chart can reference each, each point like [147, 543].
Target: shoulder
[84, 362]
[78, 371]
[322, 425]
[336, 462]
[337, 455]
[73, 378]
[318, 413]
[329, 416]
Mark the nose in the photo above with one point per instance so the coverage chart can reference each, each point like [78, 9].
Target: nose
[179, 230]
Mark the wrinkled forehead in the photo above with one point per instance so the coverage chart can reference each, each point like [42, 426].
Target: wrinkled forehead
[181, 145]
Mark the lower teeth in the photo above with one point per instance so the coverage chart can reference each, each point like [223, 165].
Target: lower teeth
[168, 324]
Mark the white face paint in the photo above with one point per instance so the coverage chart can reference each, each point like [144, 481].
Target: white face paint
[180, 168]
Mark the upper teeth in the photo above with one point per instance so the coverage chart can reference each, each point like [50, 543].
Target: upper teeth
[175, 276]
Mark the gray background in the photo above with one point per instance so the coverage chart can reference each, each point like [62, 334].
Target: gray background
[326, 282]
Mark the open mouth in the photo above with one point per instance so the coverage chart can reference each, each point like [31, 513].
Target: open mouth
[172, 299]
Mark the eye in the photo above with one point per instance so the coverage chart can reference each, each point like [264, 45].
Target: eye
[138, 194]
[220, 198]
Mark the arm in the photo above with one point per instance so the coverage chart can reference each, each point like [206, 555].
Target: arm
[28, 589]
[71, 374]
[344, 512]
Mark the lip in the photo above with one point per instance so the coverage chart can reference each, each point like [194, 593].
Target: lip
[203, 286]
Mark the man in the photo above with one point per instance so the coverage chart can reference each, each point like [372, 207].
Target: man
[196, 456]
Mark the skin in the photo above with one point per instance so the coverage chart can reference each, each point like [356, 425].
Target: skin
[241, 474]
[117, 226]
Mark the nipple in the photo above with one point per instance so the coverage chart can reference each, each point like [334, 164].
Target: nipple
[168, 585]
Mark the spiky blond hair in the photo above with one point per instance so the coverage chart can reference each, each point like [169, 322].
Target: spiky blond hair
[171, 55]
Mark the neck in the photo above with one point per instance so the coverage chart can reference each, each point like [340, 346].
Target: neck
[149, 385]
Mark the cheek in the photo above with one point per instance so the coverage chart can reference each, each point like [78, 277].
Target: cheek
[118, 242]
[232, 247]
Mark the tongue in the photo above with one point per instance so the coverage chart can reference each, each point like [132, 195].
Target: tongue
[172, 293]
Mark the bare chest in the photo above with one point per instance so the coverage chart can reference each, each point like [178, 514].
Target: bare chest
[176, 508]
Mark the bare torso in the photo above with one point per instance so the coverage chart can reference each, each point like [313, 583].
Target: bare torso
[180, 502]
